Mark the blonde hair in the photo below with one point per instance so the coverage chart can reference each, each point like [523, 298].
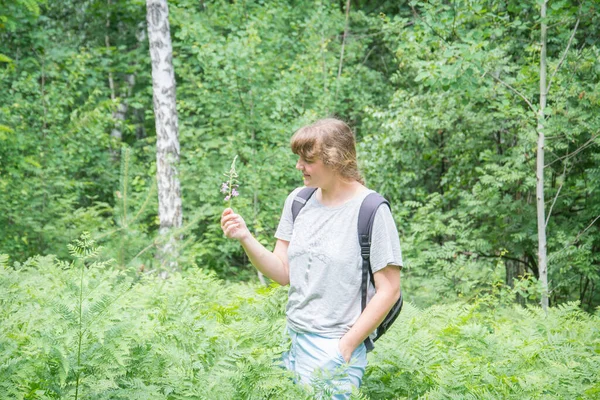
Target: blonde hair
[332, 141]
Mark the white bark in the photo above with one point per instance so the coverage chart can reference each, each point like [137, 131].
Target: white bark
[119, 117]
[167, 141]
[541, 218]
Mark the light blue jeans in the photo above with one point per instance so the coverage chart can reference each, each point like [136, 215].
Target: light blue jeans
[317, 361]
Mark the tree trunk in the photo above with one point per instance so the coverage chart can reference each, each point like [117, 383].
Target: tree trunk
[119, 114]
[167, 141]
[337, 82]
[515, 270]
[140, 130]
[541, 217]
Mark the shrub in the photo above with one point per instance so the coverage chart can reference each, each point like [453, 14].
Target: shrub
[86, 330]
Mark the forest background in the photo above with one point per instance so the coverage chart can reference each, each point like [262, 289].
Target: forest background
[444, 97]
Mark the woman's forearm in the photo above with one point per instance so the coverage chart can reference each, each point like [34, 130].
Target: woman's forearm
[274, 264]
[387, 283]
[371, 318]
[269, 263]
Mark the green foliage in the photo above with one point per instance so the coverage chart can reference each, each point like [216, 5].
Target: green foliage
[487, 350]
[126, 237]
[59, 166]
[97, 332]
[84, 330]
[430, 87]
[14, 12]
[455, 148]
[437, 92]
[249, 74]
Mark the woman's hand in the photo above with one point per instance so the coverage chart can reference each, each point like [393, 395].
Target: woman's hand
[233, 225]
[345, 349]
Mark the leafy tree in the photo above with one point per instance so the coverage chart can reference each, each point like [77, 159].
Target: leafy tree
[431, 89]
[454, 146]
[249, 74]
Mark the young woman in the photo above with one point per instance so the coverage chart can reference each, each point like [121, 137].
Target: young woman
[318, 255]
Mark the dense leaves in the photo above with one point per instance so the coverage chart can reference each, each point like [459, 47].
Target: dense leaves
[482, 351]
[455, 147]
[439, 96]
[442, 96]
[89, 329]
[86, 329]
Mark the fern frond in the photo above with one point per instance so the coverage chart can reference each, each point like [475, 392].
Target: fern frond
[3, 260]
[84, 247]
[65, 312]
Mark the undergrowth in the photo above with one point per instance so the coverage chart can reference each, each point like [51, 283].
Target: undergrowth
[87, 330]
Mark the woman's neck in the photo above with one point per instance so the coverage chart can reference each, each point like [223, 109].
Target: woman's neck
[339, 192]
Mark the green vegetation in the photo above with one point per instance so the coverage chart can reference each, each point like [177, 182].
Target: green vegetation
[89, 329]
[444, 99]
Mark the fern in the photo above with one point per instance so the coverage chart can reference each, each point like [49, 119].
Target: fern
[85, 329]
[503, 353]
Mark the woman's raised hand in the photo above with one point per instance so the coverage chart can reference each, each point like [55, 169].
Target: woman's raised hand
[233, 225]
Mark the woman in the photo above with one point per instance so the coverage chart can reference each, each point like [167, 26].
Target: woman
[318, 255]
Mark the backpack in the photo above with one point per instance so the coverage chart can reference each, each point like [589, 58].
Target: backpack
[366, 216]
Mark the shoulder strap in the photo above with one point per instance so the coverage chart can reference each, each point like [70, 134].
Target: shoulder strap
[366, 217]
[300, 200]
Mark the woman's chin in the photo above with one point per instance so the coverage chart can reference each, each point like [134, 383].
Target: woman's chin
[307, 182]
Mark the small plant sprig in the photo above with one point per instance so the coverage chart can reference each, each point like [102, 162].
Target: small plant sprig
[230, 187]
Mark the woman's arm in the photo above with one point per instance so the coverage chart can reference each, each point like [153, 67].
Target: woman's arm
[274, 264]
[387, 285]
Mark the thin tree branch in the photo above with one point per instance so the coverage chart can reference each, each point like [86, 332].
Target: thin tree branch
[143, 251]
[565, 52]
[108, 233]
[454, 19]
[45, 108]
[417, 15]
[111, 83]
[468, 253]
[576, 237]
[564, 175]
[146, 201]
[367, 56]
[323, 64]
[585, 230]
[239, 90]
[514, 90]
[583, 146]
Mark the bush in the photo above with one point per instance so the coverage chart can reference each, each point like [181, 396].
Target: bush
[89, 331]
[86, 330]
[487, 350]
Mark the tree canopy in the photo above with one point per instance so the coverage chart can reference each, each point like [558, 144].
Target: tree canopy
[442, 97]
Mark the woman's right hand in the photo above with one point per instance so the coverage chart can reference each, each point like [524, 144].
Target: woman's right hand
[233, 225]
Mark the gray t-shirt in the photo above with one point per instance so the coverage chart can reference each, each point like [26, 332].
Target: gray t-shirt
[325, 262]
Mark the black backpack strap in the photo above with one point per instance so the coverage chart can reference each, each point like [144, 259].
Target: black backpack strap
[366, 217]
[300, 200]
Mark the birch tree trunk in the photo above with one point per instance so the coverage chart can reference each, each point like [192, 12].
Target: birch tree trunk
[167, 141]
[541, 212]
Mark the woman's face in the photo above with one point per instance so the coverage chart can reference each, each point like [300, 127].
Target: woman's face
[315, 173]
